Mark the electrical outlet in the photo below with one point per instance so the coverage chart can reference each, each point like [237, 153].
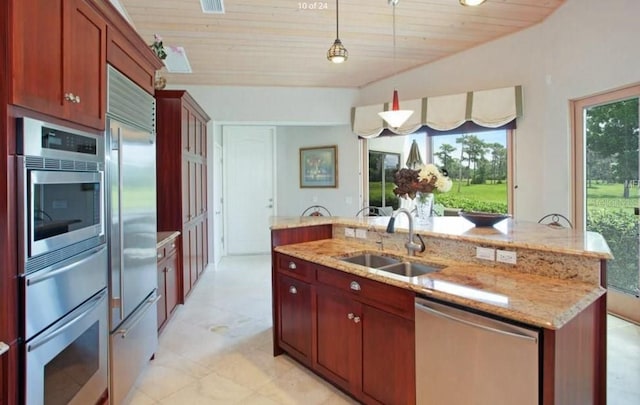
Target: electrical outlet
[506, 256]
[361, 233]
[485, 253]
[349, 232]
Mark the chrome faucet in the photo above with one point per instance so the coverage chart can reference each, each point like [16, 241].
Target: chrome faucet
[411, 246]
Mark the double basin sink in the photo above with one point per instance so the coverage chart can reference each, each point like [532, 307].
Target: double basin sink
[397, 265]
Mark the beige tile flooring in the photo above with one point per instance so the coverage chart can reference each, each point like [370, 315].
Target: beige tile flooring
[217, 349]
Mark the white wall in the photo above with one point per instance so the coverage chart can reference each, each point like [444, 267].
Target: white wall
[293, 200]
[585, 47]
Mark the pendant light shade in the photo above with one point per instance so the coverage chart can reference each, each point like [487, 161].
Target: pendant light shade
[337, 53]
[395, 117]
[471, 2]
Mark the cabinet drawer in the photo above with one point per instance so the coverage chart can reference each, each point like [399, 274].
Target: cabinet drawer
[393, 299]
[295, 267]
[167, 249]
[161, 253]
[170, 247]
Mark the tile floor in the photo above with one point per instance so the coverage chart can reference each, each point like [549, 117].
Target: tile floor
[217, 349]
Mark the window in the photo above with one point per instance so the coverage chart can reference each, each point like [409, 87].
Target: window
[382, 166]
[479, 163]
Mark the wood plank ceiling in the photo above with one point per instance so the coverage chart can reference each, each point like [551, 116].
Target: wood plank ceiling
[284, 42]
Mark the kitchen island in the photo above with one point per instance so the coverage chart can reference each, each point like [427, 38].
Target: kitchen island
[556, 285]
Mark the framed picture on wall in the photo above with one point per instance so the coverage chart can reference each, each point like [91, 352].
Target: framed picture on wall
[319, 167]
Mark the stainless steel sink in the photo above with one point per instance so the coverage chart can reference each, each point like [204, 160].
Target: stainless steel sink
[371, 260]
[393, 264]
[411, 269]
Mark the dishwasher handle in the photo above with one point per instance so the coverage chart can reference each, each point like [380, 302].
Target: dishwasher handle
[424, 306]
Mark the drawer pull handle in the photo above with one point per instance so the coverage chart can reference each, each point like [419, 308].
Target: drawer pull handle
[292, 266]
[293, 290]
[168, 269]
[356, 319]
[173, 245]
[355, 286]
[159, 255]
[351, 315]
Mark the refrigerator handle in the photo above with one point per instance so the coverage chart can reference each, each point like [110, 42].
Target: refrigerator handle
[150, 302]
[120, 225]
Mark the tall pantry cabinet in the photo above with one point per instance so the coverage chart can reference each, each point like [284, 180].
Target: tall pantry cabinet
[181, 127]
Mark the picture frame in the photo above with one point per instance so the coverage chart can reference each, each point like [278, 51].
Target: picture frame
[319, 167]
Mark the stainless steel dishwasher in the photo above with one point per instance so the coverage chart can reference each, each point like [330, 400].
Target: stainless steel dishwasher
[464, 358]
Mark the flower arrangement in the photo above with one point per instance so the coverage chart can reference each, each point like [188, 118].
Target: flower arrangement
[426, 179]
[157, 47]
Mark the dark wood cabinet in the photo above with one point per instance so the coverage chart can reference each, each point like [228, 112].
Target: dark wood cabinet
[357, 333]
[294, 306]
[168, 282]
[66, 78]
[374, 323]
[182, 178]
[295, 311]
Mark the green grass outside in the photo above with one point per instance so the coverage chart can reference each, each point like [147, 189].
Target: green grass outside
[609, 196]
[598, 196]
[480, 192]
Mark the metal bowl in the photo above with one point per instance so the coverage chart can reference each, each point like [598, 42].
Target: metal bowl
[483, 218]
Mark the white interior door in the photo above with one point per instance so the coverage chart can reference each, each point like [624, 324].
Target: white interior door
[249, 188]
[218, 206]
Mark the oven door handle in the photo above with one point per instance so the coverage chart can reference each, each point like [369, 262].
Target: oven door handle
[45, 276]
[83, 310]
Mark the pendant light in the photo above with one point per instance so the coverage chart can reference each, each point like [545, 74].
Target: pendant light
[395, 117]
[471, 2]
[337, 53]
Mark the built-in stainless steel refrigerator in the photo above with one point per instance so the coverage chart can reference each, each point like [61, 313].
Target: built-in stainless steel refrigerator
[132, 231]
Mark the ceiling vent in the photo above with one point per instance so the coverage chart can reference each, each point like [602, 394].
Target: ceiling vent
[176, 60]
[212, 6]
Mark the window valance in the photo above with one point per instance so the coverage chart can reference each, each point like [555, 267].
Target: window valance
[486, 108]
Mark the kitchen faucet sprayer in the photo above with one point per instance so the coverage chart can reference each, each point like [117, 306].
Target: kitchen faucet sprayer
[411, 246]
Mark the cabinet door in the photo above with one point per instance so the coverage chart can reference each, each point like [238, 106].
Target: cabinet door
[203, 193]
[37, 80]
[197, 194]
[338, 353]
[199, 247]
[162, 304]
[66, 78]
[193, 253]
[388, 357]
[186, 263]
[205, 241]
[84, 46]
[171, 282]
[186, 173]
[294, 305]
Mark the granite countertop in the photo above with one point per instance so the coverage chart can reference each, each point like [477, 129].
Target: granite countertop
[508, 233]
[165, 236]
[533, 299]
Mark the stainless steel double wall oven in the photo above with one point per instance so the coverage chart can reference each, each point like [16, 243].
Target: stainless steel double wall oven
[63, 263]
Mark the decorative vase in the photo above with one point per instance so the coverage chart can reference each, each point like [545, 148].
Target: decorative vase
[159, 82]
[424, 207]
